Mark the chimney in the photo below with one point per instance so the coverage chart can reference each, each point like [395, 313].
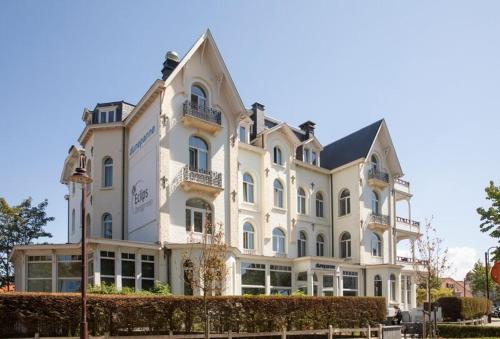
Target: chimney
[258, 119]
[308, 128]
[171, 61]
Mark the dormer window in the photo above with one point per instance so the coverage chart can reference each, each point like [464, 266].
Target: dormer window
[243, 135]
[111, 116]
[307, 156]
[103, 117]
[314, 159]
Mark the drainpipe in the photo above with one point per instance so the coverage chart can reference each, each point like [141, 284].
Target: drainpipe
[332, 214]
[66, 197]
[123, 183]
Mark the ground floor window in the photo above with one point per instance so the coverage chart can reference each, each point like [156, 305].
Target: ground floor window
[328, 285]
[406, 289]
[377, 286]
[392, 287]
[148, 271]
[128, 270]
[107, 267]
[90, 268]
[281, 279]
[40, 273]
[253, 278]
[69, 272]
[350, 283]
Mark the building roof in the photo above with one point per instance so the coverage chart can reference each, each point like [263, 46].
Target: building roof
[350, 148]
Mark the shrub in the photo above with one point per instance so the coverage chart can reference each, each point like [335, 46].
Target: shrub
[59, 314]
[467, 331]
[464, 308]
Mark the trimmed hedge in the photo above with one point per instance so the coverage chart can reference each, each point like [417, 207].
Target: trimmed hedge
[464, 308]
[59, 314]
[468, 331]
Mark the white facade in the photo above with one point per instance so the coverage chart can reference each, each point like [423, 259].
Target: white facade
[292, 220]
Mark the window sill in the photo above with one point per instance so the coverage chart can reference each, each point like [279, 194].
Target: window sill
[279, 210]
[106, 188]
[344, 216]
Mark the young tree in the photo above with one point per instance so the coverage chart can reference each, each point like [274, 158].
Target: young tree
[490, 218]
[477, 278]
[433, 260]
[19, 225]
[205, 267]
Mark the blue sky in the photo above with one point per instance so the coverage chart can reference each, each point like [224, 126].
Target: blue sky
[430, 68]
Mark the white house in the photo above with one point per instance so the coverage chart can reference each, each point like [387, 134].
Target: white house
[297, 214]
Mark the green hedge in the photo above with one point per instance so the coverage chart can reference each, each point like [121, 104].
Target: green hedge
[59, 314]
[455, 308]
[468, 331]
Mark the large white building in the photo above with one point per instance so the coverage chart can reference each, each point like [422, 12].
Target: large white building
[297, 214]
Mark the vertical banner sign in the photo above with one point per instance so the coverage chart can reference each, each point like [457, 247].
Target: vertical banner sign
[142, 183]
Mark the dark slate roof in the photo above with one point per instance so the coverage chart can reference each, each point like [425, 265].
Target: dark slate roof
[112, 103]
[349, 148]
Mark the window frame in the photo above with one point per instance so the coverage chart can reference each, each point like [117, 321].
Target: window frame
[301, 201]
[107, 172]
[111, 256]
[107, 221]
[278, 241]
[320, 205]
[377, 286]
[257, 267]
[278, 193]
[320, 245]
[392, 287]
[206, 214]
[350, 275]
[39, 259]
[277, 156]
[196, 154]
[375, 202]
[129, 257]
[147, 259]
[345, 245]
[302, 244]
[248, 236]
[248, 188]
[375, 245]
[201, 101]
[344, 202]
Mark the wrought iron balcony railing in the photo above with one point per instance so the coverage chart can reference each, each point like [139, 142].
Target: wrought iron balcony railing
[402, 182]
[202, 176]
[380, 219]
[374, 173]
[407, 260]
[202, 112]
[408, 222]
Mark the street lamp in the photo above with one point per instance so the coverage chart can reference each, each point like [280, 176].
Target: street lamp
[486, 262]
[80, 176]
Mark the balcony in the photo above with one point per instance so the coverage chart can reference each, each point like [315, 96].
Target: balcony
[204, 118]
[407, 229]
[378, 222]
[200, 180]
[402, 189]
[411, 263]
[377, 178]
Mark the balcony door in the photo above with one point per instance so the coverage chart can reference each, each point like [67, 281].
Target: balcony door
[198, 154]
[198, 98]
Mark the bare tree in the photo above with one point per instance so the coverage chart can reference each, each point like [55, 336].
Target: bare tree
[205, 269]
[433, 261]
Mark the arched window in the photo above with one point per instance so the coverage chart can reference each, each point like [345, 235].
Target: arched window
[198, 97]
[107, 226]
[278, 194]
[377, 286]
[301, 201]
[376, 245]
[392, 287]
[248, 236]
[277, 156]
[320, 213]
[345, 245]
[374, 162]
[198, 153]
[320, 245]
[278, 241]
[73, 220]
[302, 244]
[198, 216]
[107, 171]
[345, 202]
[248, 188]
[375, 203]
